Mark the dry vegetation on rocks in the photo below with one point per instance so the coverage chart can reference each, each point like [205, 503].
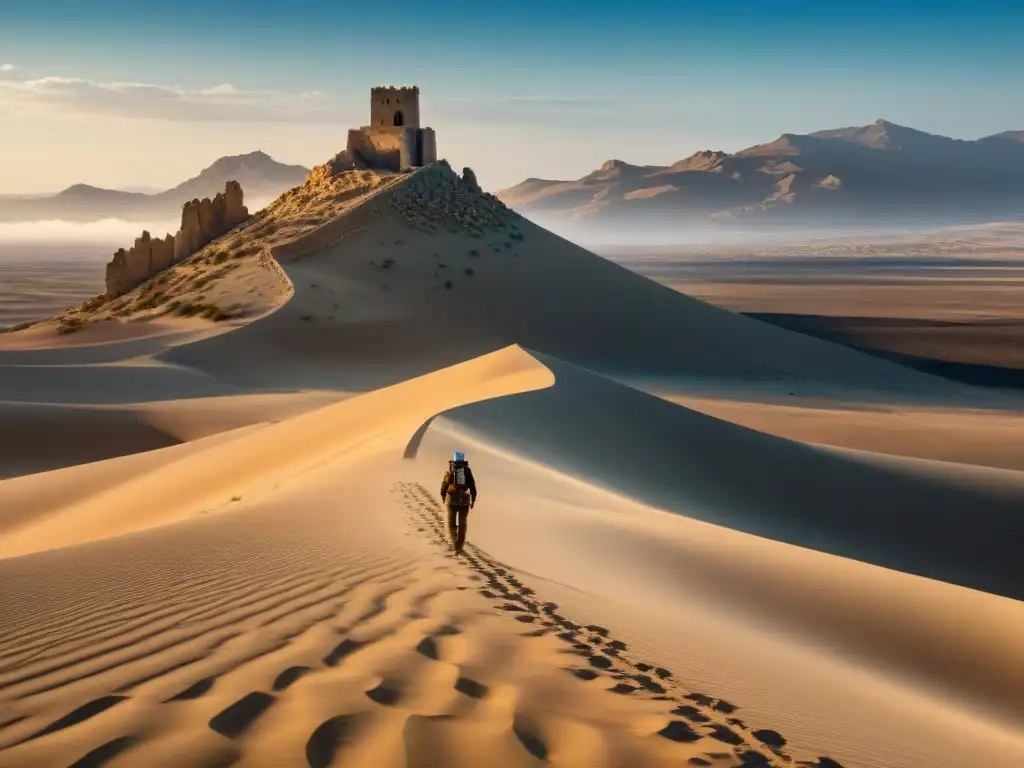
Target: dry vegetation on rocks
[199, 286]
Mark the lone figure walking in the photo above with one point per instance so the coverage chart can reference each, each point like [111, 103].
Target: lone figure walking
[458, 491]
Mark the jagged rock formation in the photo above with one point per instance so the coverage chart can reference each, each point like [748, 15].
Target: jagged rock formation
[469, 177]
[341, 162]
[202, 222]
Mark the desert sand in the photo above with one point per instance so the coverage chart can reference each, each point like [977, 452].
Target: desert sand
[221, 543]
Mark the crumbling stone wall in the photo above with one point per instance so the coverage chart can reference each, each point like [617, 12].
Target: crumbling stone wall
[428, 146]
[392, 149]
[378, 147]
[202, 222]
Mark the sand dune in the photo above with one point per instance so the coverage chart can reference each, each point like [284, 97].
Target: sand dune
[260, 577]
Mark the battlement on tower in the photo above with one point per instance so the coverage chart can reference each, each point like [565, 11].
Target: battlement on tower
[394, 90]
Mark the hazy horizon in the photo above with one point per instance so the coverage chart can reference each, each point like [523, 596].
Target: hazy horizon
[125, 97]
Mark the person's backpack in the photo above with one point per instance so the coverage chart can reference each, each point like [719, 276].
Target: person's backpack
[458, 486]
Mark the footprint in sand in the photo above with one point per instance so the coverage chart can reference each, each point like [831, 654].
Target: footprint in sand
[427, 647]
[724, 734]
[105, 753]
[345, 648]
[387, 693]
[677, 730]
[327, 739]
[582, 674]
[239, 717]
[471, 688]
[80, 715]
[289, 676]
[530, 737]
[194, 691]
[692, 714]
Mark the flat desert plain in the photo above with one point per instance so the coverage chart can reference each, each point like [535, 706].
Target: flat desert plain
[700, 539]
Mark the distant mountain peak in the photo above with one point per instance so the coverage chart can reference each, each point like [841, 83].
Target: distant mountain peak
[81, 189]
[880, 169]
[1017, 136]
[704, 160]
[88, 191]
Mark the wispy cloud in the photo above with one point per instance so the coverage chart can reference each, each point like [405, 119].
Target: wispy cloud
[557, 102]
[149, 101]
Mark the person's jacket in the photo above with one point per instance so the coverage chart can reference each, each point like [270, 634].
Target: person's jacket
[449, 476]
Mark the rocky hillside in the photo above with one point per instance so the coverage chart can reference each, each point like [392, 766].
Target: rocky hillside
[260, 175]
[233, 277]
[879, 172]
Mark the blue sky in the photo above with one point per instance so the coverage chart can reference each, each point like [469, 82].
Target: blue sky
[133, 93]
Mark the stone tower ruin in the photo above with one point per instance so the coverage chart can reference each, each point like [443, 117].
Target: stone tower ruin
[393, 140]
[395, 107]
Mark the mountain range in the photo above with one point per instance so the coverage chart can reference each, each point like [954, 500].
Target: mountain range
[878, 173]
[262, 179]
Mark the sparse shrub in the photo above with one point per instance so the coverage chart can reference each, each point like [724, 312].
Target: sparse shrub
[448, 285]
[214, 313]
[388, 263]
[150, 301]
[220, 257]
[306, 318]
[95, 303]
[516, 235]
[70, 325]
[474, 253]
[470, 271]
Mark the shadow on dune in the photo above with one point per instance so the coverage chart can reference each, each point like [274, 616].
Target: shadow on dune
[958, 525]
[980, 353]
[94, 353]
[44, 437]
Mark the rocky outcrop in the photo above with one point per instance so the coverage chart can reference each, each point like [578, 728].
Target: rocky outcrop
[438, 197]
[202, 222]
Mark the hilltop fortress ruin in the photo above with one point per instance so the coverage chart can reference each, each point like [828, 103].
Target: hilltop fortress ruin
[393, 140]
